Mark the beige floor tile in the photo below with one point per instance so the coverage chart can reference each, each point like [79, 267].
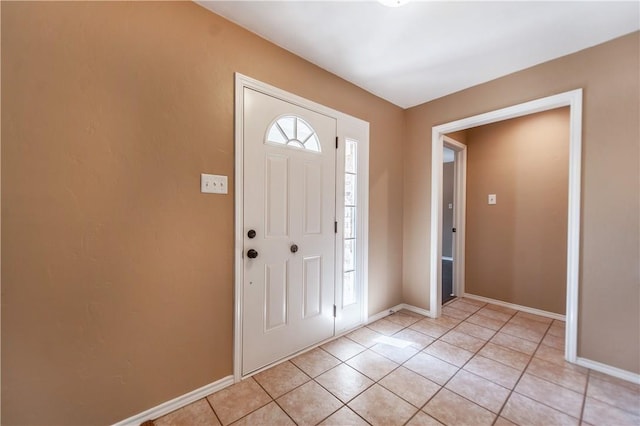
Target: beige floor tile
[344, 382]
[464, 306]
[344, 417]
[553, 341]
[403, 319]
[416, 339]
[481, 391]
[394, 353]
[365, 336]
[378, 406]
[452, 409]
[492, 370]
[563, 376]
[557, 329]
[599, 413]
[343, 348]
[269, 415]
[522, 410]
[423, 419]
[315, 362]
[463, 341]
[444, 321]
[499, 308]
[455, 313]
[555, 396]
[476, 330]
[533, 317]
[429, 328]
[506, 356]
[198, 413]
[490, 323]
[411, 313]
[386, 326]
[501, 421]
[309, 404]
[515, 343]
[238, 400]
[372, 365]
[448, 352]
[531, 324]
[431, 367]
[410, 386]
[494, 314]
[620, 394]
[633, 387]
[471, 301]
[530, 334]
[281, 379]
[556, 356]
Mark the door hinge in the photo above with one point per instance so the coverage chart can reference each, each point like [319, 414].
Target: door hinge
[335, 227]
[336, 142]
[335, 309]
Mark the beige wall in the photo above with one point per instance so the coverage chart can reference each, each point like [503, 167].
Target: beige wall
[117, 284]
[609, 304]
[516, 250]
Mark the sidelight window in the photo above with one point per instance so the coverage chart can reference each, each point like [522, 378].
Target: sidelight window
[350, 223]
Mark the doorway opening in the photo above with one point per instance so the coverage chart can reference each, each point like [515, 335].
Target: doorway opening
[572, 99]
[453, 217]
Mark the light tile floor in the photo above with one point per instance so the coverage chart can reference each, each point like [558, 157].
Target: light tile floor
[479, 364]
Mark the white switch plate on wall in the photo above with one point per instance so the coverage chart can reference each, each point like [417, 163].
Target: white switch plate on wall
[213, 184]
[492, 198]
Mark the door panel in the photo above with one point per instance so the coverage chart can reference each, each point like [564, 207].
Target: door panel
[289, 200]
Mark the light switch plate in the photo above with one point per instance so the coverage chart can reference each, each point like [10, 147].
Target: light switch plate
[213, 184]
[492, 199]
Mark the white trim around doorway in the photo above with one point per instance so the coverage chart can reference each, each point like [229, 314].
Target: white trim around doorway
[572, 99]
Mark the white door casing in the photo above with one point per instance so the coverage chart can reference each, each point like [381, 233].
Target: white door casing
[348, 315]
[289, 201]
[572, 99]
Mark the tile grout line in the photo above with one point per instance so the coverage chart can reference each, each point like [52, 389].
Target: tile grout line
[213, 409]
[584, 398]
[515, 385]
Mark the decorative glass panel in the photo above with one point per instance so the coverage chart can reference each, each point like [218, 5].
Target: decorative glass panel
[350, 154]
[349, 222]
[349, 255]
[350, 182]
[293, 132]
[349, 288]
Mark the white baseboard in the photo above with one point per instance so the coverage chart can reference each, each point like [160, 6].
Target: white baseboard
[386, 312]
[417, 310]
[176, 403]
[534, 311]
[607, 369]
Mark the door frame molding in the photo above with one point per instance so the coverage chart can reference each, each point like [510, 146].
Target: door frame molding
[459, 213]
[347, 127]
[572, 99]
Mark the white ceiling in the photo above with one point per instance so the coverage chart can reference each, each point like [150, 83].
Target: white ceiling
[428, 49]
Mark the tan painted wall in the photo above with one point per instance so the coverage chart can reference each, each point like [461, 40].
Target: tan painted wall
[117, 284]
[609, 305]
[516, 250]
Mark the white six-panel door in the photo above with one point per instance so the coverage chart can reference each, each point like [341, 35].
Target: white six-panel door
[289, 203]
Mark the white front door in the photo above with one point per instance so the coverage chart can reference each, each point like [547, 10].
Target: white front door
[289, 236]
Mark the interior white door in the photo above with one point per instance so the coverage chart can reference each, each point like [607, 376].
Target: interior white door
[289, 242]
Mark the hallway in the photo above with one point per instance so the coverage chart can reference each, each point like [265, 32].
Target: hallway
[478, 364]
